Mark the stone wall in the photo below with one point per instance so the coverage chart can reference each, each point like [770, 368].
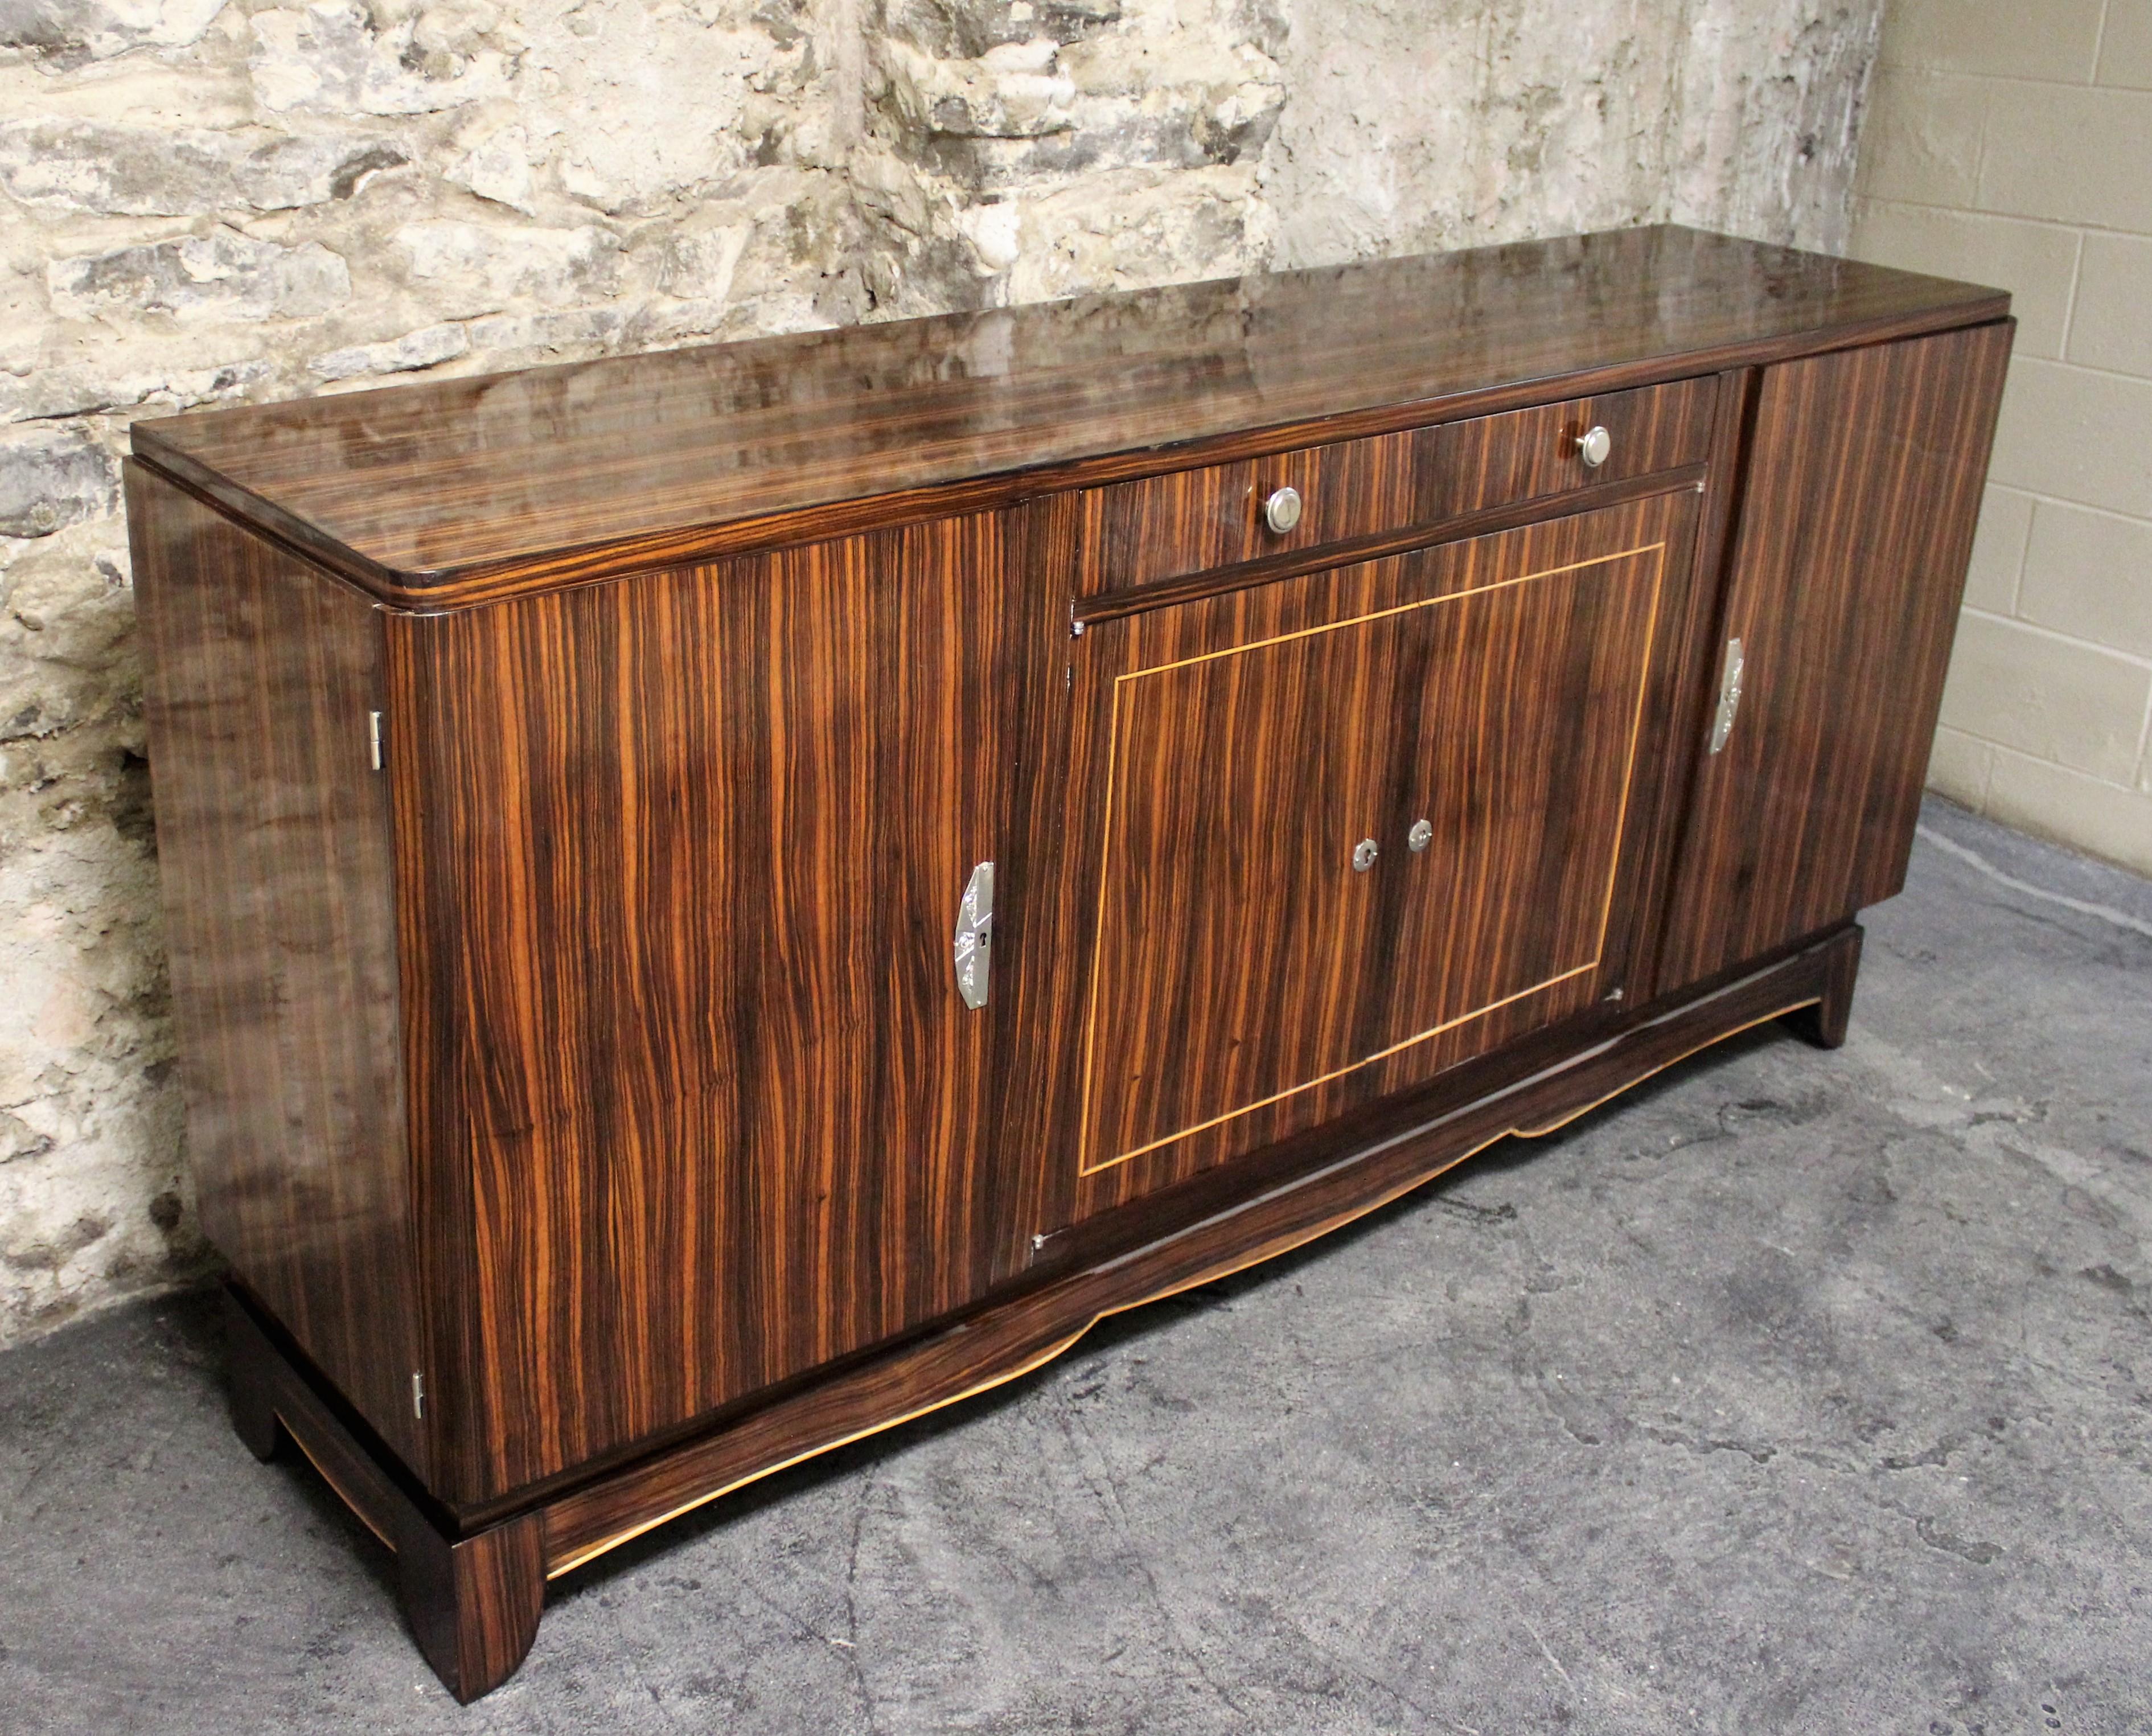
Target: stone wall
[210, 201]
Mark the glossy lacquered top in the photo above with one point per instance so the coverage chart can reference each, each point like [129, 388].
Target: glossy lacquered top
[454, 490]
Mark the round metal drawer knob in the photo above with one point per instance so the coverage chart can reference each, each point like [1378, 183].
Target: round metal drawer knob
[1363, 855]
[1420, 836]
[1593, 445]
[1282, 511]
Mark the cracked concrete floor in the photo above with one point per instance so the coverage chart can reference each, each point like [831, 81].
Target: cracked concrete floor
[1793, 1392]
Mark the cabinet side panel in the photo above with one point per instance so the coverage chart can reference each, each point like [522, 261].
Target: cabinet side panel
[275, 853]
[1862, 487]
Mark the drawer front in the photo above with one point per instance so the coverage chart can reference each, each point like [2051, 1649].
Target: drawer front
[1166, 527]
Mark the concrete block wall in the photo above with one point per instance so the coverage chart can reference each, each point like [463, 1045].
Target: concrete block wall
[2010, 141]
[205, 201]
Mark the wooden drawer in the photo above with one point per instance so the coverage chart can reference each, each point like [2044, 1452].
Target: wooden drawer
[1161, 528]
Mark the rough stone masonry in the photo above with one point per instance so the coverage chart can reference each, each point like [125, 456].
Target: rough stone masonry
[204, 201]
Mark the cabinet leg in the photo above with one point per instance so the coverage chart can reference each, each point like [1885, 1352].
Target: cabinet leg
[473, 1604]
[250, 1387]
[1823, 1024]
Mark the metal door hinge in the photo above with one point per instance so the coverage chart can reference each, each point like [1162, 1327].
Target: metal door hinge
[1730, 670]
[975, 934]
[418, 1395]
[373, 738]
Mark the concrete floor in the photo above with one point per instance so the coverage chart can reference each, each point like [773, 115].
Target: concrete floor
[1793, 1392]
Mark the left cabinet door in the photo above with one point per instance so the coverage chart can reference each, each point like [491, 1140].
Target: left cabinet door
[700, 1105]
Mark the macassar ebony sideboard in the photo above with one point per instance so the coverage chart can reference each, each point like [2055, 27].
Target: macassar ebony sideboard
[718, 900]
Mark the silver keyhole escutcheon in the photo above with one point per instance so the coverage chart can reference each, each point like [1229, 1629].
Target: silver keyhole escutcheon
[972, 946]
[1282, 511]
[1733, 664]
[1363, 855]
[1420, 836]
[1593, 446]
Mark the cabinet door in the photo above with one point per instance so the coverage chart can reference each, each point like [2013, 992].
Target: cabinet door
[702, 1107]
[1267, 948]
[1862, 483]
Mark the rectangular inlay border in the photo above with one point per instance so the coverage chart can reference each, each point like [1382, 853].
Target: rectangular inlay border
[1085, 1167]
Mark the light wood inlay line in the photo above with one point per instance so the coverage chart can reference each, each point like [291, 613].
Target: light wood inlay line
[1085, 1165]
[1210, 1275]
[1338, 1073]
[568, 1564]
[328, 1476]
[1562, 1120]
[1098, 934]
[1424, 602]
[1629, 764]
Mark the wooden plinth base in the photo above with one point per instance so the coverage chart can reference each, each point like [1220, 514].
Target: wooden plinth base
[473, 1591]
[472, 1601]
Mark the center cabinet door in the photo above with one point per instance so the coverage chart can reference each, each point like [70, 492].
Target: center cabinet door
[700, 1105]
[1348, 829]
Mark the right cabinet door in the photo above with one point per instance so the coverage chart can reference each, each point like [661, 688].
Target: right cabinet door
[1863, 485]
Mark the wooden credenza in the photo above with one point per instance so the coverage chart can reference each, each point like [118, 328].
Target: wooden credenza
[1401, 705]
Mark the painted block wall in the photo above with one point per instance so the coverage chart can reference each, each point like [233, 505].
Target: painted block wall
[2010, 141]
